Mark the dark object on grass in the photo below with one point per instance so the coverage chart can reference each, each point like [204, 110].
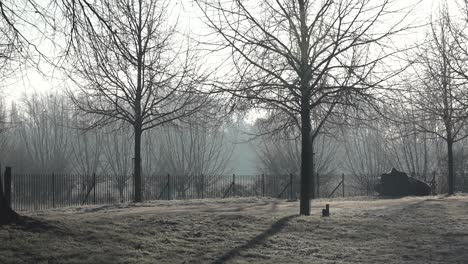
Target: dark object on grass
[326, 211]
[397, 184]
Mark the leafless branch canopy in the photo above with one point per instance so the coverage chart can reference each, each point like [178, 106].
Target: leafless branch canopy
[321, 55]
[131, 64]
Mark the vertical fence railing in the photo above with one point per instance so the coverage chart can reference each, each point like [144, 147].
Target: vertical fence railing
[55, 190]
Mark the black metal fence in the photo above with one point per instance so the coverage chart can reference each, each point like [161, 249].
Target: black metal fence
[44, 191]
[31, 192]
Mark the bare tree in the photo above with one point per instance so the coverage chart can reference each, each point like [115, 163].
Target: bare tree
[367, 155]
[192, 150]
[46, 133]
[7, 215]
[128, 66]
[10, 55]
[303, 58]
[438, 93]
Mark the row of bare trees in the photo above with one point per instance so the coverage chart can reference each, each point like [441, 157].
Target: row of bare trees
[43, 135]
[310, 66]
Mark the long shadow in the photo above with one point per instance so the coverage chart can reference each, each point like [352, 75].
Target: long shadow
[37, 225]
[273, 230]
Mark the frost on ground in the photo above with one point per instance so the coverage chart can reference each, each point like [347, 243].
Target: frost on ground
[407, 230]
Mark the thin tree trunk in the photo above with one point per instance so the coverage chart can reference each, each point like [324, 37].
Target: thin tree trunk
[306, 162]
[137, 166]
[450, 179]
[307, 152]
[138, 112]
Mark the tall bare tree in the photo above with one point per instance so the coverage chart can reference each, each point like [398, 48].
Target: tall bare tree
[10, 47]
[7, 215]
[438, 92]
[304, 58]
[130, 64]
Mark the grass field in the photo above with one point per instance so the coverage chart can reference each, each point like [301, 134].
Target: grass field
[248, 230]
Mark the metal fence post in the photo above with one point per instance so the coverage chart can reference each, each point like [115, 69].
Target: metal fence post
[342, 182]
[53, 190]
[8, 185]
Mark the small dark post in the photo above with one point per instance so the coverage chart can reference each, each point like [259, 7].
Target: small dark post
[8, 186]
[233, 185]
[94, 187]
[342, 182]
[53, 190]
[326, 211]
[168, 186]
[290, 186]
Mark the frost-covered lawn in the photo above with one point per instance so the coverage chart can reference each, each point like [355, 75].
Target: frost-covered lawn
[408, 230]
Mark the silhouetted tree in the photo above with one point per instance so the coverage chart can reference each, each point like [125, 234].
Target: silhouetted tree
[10, 54]
[436, 89]
[128, 66]
[304, 58]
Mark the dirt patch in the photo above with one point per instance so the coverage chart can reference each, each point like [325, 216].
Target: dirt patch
[407, 230]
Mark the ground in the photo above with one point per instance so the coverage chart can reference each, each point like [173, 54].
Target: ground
[247, 230]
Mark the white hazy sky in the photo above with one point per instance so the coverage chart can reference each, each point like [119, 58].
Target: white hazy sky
[29, 81]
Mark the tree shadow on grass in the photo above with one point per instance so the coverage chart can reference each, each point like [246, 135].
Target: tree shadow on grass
[37, 225]
[259, 239]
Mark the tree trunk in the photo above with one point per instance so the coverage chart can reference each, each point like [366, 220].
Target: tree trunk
[313, 175]
[138, 126]
[450, 179]
[138, 197]
[7, 215]
[307, 189]
[306, 162]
